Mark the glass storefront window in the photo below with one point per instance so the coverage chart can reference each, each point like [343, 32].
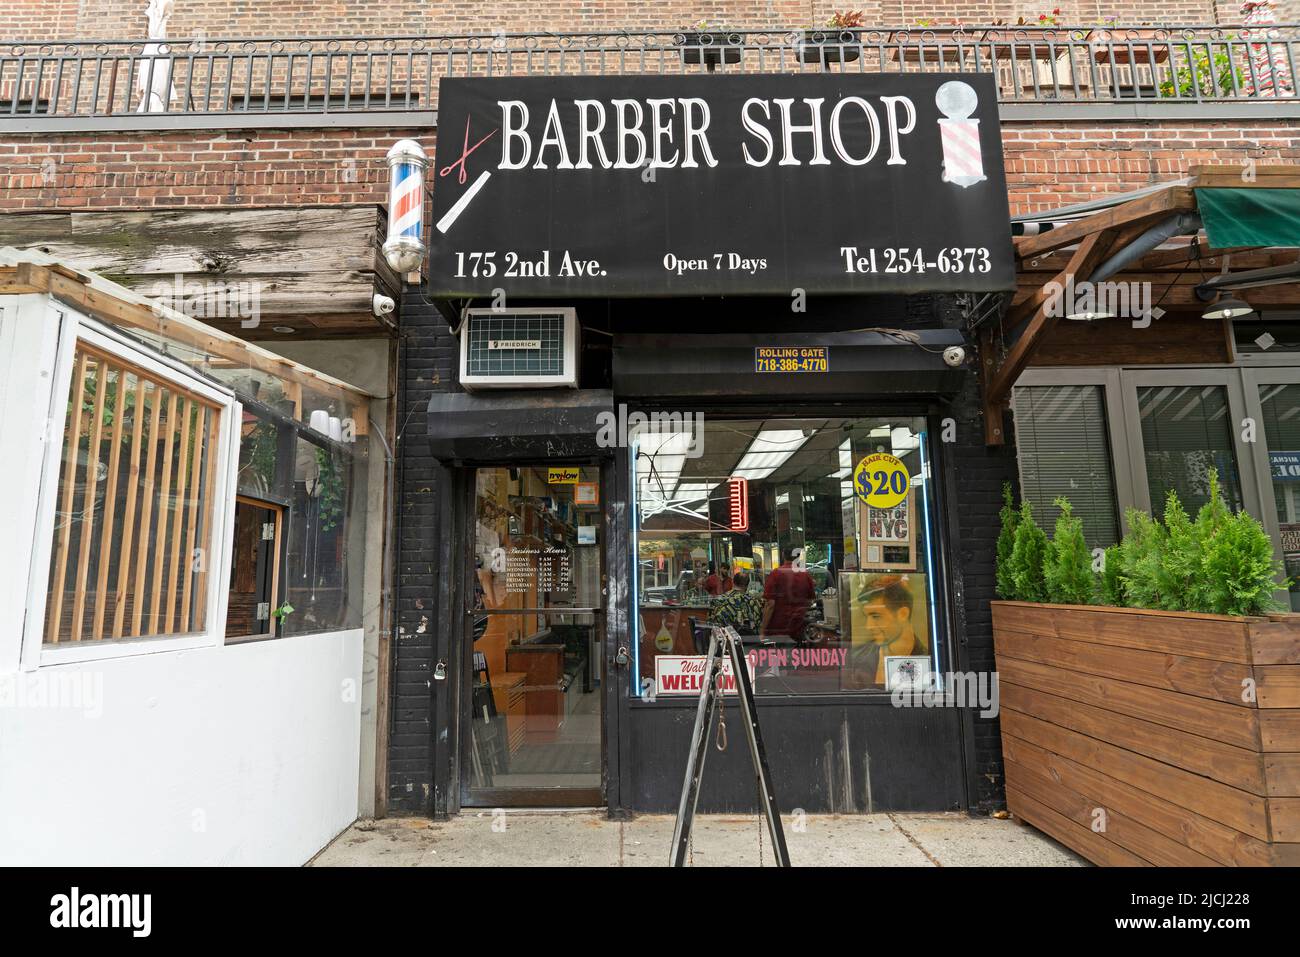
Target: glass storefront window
[326, 539]
[1280, 405]
[1062, 447]
[1186, 431]
[829, 594]
[258, 447]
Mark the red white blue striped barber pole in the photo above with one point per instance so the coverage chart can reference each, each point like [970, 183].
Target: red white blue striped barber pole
[404, 248]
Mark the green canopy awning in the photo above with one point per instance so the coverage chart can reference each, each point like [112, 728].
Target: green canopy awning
[1250, 216]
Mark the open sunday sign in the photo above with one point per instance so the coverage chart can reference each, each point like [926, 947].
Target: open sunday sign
[739, 184]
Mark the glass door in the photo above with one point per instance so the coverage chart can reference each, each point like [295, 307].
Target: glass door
[1189, 422]
[534, 624]
[1273, 401]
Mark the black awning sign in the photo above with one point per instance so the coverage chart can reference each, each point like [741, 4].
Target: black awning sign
[754, 184]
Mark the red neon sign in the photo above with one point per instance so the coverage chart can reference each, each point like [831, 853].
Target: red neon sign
[738, 504]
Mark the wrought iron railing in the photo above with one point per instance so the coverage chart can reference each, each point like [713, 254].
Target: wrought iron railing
[336, 75]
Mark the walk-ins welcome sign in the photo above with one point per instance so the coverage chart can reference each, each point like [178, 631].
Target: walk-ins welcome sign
[755, 184]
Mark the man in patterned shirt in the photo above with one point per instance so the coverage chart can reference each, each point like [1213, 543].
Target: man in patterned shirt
[738, 608]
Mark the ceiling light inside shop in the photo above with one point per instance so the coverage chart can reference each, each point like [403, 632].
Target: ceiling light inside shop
[659, 461]
[903, 440]
[846, 461]
[769, 451]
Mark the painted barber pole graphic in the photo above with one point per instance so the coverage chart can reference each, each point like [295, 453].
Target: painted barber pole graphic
[963, 162]
[404, 248]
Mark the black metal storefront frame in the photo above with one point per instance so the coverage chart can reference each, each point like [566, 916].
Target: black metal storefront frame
[950, 614]
[626, 769]
[451, 784]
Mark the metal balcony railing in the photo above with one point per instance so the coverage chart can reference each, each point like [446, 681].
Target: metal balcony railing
[339, 76]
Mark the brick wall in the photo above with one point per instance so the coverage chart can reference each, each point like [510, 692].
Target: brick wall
[234, 168]
[1047, 164]
[428, 365]
[1056, 164]
[113, 19]
[981, 470]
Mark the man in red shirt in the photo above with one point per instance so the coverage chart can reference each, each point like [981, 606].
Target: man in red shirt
[788, 592]
[713, 584]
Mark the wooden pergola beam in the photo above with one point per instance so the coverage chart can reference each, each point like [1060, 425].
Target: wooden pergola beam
[1241, 176]
[26, 278]
[997, 383]
[1145, 209]
[1024, 308]
[1192, 252]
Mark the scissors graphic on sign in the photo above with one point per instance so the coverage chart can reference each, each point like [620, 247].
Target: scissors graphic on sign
[466, 149]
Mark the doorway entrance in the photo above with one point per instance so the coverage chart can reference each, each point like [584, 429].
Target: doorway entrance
[254, 569]
[535, 630]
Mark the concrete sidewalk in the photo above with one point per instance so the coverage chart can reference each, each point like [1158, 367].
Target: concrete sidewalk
[589, 839]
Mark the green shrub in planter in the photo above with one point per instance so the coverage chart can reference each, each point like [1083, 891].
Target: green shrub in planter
[1006, 588]
[1028, 557]
[1178, 573]
[1239, 573]
[1140, 555]
[1220, 563]
[1112, 587]
[1067, 574]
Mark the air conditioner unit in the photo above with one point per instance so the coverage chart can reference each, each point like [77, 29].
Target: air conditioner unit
[519, 348]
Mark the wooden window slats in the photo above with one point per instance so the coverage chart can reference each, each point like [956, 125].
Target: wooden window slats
[135, 506]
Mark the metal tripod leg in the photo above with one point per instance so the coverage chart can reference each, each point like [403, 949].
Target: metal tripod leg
[757, 752]
[699, 750]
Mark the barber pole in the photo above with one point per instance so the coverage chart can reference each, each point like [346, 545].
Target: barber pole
[404, 249]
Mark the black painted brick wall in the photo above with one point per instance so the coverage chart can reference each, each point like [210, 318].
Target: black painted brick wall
[979, 474]
[428, 365]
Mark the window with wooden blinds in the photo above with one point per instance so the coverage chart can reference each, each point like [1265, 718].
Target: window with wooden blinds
[134, 509]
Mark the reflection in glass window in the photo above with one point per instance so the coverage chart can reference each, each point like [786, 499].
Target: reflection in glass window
[326, 541]
[825, 590]
[1281, 407]
[258, 444]
[1186, 431]
[1062, 448]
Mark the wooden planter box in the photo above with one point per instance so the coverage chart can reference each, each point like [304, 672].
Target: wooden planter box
[1145, 719]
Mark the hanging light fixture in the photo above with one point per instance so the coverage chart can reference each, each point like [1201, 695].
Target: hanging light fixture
[1087, 315]
[1227, 307]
